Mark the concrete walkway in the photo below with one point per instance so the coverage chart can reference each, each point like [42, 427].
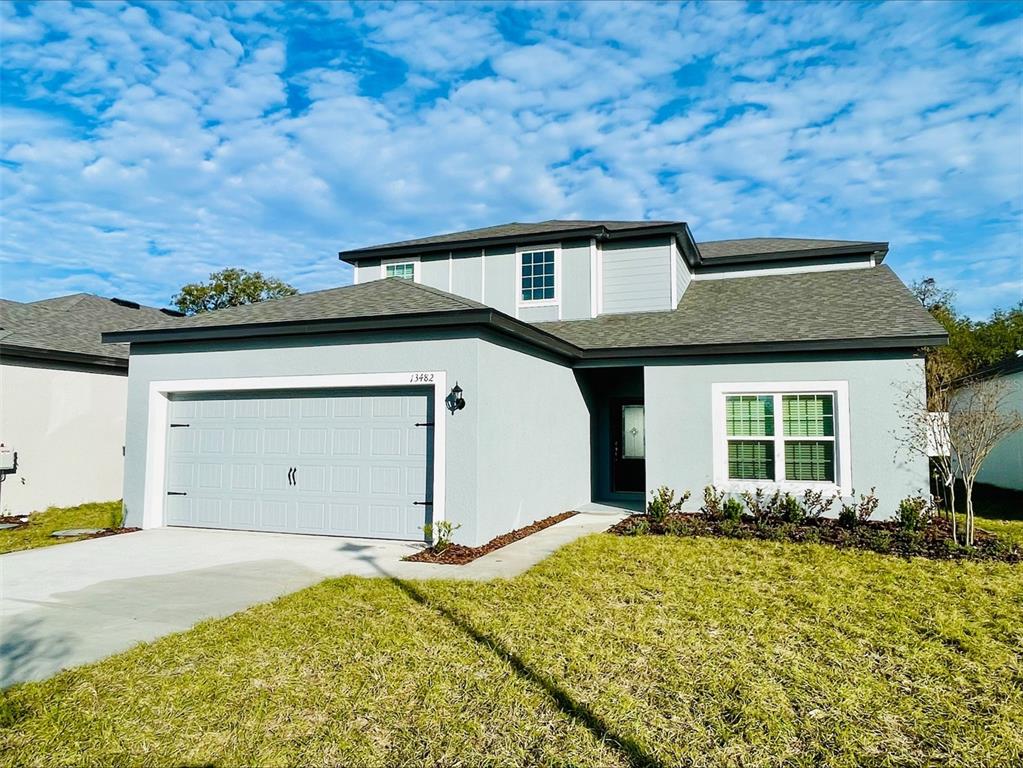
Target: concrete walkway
[76, 603]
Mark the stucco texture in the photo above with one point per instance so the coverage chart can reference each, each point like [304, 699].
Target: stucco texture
[68, 427]
[679, 426]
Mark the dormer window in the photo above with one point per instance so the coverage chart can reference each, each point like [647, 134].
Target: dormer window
[538, 275]
[407, 269]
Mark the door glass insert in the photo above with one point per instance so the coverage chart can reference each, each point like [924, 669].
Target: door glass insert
[633, 437]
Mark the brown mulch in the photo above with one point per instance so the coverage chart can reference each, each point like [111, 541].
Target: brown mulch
[112, 532]
[933, 541]
[456, 554]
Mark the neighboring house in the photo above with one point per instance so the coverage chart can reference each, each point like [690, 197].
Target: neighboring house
[596, 360]
[1004, 465]
[62, 398]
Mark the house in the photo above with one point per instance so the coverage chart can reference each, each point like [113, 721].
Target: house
[494, 377]
[63, 398]
[1004, 465]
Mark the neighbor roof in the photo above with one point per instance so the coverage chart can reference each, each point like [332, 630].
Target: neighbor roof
[821, 310]
[846, 306]
[69, 328]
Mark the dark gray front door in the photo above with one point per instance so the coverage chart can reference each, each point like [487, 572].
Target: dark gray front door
[342, 462]
[628, 445]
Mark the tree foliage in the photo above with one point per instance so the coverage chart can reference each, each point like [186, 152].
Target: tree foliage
[230, 287]
[972, 344]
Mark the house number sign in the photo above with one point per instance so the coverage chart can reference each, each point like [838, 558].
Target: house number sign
[421, 378]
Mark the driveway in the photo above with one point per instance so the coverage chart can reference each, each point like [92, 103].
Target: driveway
[71, 604]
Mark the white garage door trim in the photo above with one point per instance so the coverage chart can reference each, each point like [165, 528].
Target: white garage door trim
[159, 408]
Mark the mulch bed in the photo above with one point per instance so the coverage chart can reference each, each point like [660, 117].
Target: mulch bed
[111, 532]
[934, 541]
[456, 554]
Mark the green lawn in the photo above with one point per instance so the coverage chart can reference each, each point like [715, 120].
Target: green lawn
[615, 651]
[105, 514]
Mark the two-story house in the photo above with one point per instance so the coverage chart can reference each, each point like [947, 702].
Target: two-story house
[501, 375]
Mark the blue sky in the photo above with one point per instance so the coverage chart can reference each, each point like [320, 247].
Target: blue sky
[145, 145]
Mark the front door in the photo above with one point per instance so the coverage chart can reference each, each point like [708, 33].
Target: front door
[628, 446]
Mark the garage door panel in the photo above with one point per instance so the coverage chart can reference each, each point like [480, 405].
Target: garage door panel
[245, 440]
[178, 510]
[273, 515]
[345, 462]
[275, 477]
[277, 441]
[312, 517]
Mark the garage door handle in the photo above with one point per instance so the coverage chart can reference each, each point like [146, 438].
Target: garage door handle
[424, 424]
[422, 503]
[176, 493]
[291, 476]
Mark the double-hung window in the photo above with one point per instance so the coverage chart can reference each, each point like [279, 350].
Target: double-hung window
[538, 276]
[780, 438]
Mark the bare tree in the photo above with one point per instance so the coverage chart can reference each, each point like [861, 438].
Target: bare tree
[924, 412]
[980, 416]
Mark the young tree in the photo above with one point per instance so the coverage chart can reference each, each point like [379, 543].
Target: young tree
[980, 416]
[229, 287]
[924, 415]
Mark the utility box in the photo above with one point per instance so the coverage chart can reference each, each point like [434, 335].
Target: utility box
[8, 460]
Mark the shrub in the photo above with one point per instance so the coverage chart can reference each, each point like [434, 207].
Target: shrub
[664, 504]
[790, 510]
[713, 501]
[860, 511]
[756, 505]
[913, 513]
[816, 505]
[732, 510]
[440, 532]
[641, 527]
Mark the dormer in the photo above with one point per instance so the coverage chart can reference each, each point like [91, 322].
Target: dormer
[570, 270]
[551, 270]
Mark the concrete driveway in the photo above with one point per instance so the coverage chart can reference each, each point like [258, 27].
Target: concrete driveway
[75, 603]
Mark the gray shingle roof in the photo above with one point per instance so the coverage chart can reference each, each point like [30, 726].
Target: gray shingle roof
[71, 324]
[809, 306]
[758, 246]
[513, 229]
[379, 298]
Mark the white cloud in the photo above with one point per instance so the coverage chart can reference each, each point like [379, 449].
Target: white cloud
[145, 146]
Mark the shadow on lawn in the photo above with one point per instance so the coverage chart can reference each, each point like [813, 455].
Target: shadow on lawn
[629, 749]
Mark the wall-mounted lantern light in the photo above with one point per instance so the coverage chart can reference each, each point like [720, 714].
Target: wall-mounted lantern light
[454, 399]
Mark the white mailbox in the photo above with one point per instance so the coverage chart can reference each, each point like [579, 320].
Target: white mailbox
[8, 460]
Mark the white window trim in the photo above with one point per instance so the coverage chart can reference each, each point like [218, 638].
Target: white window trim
[843, 456]
[556, 301]
[416, 268]
[154, 493]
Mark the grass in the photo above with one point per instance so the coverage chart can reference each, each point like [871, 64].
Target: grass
[615, 651]
[105, 514]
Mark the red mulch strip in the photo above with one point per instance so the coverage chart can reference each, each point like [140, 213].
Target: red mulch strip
[934, 541]
[456, 554]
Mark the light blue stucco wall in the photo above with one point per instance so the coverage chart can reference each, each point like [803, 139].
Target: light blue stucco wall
[490, 445]
[679, 427]
[534, 440]
[637, 275]
[1004, 465]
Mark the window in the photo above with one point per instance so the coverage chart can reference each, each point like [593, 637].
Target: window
[537, 276]
[772, 436]
[406, 269]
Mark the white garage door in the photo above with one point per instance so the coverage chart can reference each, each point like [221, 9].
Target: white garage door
[338, 462]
